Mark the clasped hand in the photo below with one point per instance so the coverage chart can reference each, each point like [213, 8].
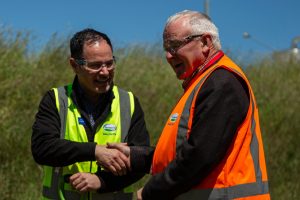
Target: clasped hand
[115, 157]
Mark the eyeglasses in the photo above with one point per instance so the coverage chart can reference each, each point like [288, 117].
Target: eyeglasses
[97, 65]
[172, 46]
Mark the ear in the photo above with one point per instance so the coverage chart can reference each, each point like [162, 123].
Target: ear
[74, 65]
[206, 42]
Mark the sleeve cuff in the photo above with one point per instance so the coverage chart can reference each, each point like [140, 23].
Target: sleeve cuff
[141, 158]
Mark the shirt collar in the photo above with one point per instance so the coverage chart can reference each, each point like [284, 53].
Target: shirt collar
[199, 70]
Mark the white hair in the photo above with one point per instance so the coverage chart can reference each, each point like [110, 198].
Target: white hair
[200, 24]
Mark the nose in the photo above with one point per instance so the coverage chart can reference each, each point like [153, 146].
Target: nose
[169, 55]
[103, 70]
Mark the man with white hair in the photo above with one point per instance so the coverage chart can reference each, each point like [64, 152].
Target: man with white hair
[211, 145]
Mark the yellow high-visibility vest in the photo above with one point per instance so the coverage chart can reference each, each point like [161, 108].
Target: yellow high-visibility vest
[114, 129]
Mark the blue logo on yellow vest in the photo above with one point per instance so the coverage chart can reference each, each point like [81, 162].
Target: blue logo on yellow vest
[109, 129]
[81, 121]
[173, 117]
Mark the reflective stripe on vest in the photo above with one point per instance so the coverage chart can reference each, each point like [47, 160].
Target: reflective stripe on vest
[231, 178]
[126, 109]
[183, 123]
[238, 191]
[52, 192]
[120, 195]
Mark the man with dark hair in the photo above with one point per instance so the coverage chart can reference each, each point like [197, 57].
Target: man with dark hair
[75, 122]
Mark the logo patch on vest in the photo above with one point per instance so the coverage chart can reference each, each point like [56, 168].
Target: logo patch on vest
[81, 121]
[109, 129]
[173, 118]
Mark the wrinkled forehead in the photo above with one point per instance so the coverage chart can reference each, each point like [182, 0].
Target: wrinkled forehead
[169, 35]
[177, 29]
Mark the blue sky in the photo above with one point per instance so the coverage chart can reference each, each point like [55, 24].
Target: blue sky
[271, 22]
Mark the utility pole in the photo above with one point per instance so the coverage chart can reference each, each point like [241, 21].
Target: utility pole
[206, 7]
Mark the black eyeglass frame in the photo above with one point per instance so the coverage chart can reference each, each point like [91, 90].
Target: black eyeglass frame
[182, 43]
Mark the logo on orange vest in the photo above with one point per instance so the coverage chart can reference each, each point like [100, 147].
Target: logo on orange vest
[109, 129]
[173, 118]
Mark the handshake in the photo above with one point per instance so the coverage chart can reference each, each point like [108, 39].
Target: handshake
[115, 157]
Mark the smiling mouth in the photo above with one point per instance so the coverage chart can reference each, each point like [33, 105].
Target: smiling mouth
[178, 65]
[102, 80]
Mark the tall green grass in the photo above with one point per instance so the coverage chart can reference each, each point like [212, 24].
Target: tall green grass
[277, 88]
[26, 76]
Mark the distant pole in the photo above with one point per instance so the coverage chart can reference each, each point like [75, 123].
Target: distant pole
[246, 35]
[206, 7]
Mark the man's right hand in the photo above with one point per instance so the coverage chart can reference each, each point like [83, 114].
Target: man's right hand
[123, 147]
[112, 160]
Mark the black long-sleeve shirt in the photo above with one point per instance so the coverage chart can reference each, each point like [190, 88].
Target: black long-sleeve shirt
[220, 108]
[49, 149]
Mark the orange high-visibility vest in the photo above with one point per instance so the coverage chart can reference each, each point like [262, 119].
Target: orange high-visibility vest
[242, 173]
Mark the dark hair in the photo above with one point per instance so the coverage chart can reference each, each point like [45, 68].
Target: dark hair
[86, 35]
